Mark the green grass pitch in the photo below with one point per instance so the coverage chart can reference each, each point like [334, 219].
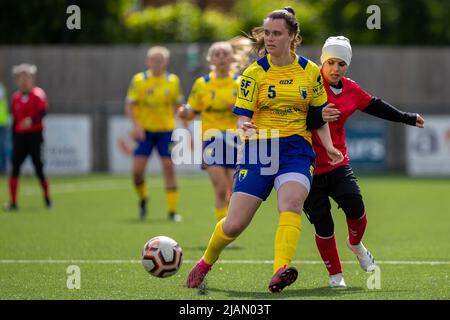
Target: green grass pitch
[94, 225]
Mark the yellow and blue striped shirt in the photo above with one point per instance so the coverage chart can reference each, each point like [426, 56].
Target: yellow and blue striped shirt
[154, 99]
[281, 97]
[214, 98]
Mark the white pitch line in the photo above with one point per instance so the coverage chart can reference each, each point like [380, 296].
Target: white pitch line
[80, 187]
[51, 261]
[83, 186]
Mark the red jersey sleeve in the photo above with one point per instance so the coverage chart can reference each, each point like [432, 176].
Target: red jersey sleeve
[42, 99]
[363, 98]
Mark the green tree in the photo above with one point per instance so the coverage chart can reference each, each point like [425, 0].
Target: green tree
[404, 22]
[34, 21]
[180, 22]
[253, 12]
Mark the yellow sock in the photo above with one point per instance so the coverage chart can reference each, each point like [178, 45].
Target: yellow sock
[219, 240]
[141, 190]
[172, 200]
[286, 238]
[220, 213]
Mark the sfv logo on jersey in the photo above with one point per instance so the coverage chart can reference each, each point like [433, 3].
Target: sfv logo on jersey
[303, 91]
[244, 85]
[247, 88]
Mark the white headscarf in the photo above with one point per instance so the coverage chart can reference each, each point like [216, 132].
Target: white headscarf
[24, 67]
[337, 47]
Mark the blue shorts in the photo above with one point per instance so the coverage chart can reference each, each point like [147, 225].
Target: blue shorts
[291, 160]
[221, 151]
[162, 141]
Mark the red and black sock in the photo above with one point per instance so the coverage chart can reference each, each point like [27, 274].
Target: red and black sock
[328, 252]
[13, 186]
[45, 189]
[356, 229]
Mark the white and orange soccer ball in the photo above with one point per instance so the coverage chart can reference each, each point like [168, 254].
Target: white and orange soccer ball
[162, 256]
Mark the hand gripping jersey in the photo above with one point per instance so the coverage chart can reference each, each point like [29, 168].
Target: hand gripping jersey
[154, 99]
[215, 98]
[350, 99]
[281, 97]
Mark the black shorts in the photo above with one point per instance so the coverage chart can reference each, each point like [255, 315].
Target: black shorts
[332, 184]
[25, 144]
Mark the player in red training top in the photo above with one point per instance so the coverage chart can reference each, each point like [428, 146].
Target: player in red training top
[28, 107]
[338, 181]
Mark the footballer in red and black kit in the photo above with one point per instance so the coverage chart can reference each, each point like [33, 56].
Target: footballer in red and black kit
[28, 107]
[338, 181]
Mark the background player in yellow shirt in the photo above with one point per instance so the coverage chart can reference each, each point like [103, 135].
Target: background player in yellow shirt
[152, 99]
[214, 95]
[276, 94]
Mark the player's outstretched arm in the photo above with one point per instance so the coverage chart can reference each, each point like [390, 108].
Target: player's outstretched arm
[383, 110]
[334, 154]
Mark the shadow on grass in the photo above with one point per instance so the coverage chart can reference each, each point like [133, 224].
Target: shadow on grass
[320, 293]
[27, 210]
[290, 293]
[151, 221]
[203, 248]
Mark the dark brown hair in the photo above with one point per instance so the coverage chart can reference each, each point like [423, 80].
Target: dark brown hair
[288, 15]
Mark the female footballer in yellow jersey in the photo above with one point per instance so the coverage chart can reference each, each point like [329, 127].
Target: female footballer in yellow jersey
[275, 96]
[152, 99]
[214, 95]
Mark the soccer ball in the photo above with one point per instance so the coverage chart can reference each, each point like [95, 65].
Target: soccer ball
[162, 256]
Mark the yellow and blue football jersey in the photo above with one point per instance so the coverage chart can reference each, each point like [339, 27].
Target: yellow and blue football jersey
[154, 98]
[215, 98]
[281, 97]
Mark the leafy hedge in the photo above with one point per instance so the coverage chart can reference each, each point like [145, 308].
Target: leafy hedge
[185, 22]
[180, 22]
[412, 22]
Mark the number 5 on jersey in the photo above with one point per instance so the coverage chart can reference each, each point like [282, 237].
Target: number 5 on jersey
[272, 93]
